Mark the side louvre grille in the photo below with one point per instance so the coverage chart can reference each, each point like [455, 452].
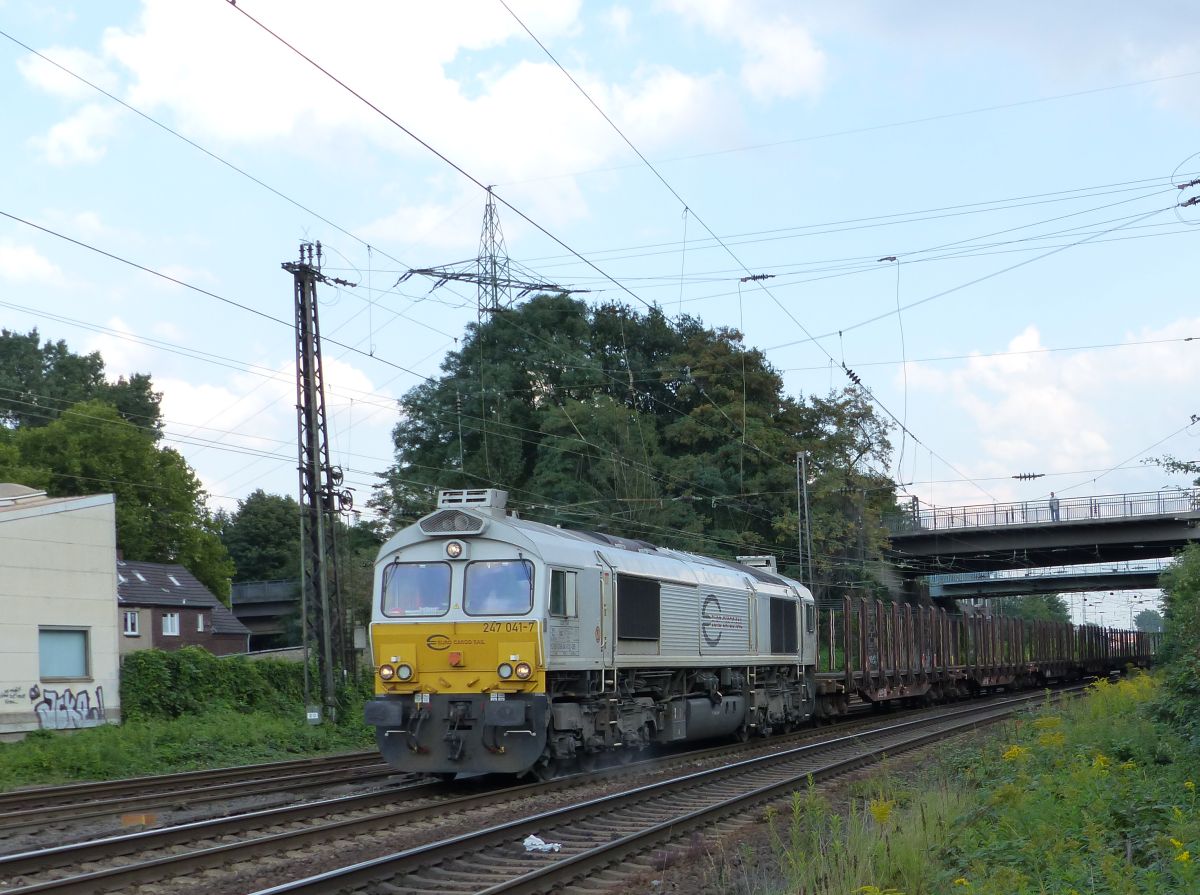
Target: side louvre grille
[451, 522]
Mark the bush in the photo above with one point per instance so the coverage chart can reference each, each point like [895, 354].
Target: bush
[191, 681]
[1179, 701]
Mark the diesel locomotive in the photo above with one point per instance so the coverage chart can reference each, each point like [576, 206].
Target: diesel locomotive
[506, 645]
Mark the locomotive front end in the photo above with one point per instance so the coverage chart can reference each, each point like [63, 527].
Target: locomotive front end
[460, 678]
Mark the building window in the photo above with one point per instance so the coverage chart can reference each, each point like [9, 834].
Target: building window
[131, 623]
[170, 624]
[562, 593]
[63, 653]
[200, 622]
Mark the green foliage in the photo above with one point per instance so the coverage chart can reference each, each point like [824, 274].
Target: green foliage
[1092, 796]
[1035, 607]
[219, 738]
[1148, 620]
[160, 509]
[39, 382]
[1180, 653]
[158, 684]
[190, 681]
[600, 417]
[263, 537]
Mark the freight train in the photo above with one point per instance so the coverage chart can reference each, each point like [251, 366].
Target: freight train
[505, 645]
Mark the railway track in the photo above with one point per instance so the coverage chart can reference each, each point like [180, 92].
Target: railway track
[21, 809]
[597, 834]
[123, 862]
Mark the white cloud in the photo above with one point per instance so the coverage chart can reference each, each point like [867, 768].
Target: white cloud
[260, 93]
[25, 264]
[79, 138]
[780, 58]
[1059, 411]
[53, 80]
[619, 19]
[122, 355]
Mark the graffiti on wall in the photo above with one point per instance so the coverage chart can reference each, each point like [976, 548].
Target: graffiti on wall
[65, 709]
[12, 696]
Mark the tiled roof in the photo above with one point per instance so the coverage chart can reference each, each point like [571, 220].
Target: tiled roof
[170, 584]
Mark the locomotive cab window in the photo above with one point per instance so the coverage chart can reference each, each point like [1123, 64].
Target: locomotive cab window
[810, 617]
[415, 589]
[498, 587]
[562, 593]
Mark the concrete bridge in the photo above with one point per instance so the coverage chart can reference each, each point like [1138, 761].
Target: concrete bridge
[1138, 575]
[1108, 528]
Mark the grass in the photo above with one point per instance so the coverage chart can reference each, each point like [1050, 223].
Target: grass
[1092, 798]
[215, 739]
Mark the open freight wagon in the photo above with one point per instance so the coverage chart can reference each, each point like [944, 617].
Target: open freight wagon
[877, 652]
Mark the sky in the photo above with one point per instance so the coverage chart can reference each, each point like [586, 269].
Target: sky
[1020, 161]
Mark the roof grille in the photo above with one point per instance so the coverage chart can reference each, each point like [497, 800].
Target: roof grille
[451, 522]
[474, 497]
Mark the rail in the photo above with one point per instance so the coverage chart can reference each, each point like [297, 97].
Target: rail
[1051, 511]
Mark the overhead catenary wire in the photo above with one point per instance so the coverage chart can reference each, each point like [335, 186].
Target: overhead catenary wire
[375, 108]
[943, 116]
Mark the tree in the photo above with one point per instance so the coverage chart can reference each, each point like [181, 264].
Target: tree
[1036, 607]
[1148, 620]
[160, 511]
[1180, 651]
[263, 537]
[38, 382]
[605, 418]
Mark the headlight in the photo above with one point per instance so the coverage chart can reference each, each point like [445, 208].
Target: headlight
[505, 671]
[386, 672]
[524, 671]
[454, 549]
[404, 672]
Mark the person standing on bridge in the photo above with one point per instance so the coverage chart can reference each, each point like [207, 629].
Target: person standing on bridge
[1053, 507]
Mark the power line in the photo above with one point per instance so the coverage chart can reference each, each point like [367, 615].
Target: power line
[437, 153]
[205, 292]
[958, 288]
[876, 127]
[757, 281]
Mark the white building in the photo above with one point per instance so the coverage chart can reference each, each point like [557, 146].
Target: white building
[58, 611]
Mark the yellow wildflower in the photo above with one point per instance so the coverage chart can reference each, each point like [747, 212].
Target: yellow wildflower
[1054, 740]
[1047, 722]
[1128, 765]
[1101, 761]
[961, 881]
[1014, 753]
[881, 810]
[1176, 813]
[1189, 785]
[1184, 856]
[1175, 842]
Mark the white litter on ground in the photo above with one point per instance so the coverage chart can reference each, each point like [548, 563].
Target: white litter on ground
[536, 843]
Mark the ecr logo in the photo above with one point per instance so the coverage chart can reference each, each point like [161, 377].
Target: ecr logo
[437, 642]
[708, 627]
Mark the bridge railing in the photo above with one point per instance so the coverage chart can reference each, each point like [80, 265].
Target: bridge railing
[1047, 510]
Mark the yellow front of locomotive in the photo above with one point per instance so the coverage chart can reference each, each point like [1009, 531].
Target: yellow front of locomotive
[456, 641]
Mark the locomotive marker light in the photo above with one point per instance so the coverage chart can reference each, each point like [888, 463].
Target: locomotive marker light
[454, 549]
[386, 672]
[524, 672]
[404, 672]
[505, 671]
